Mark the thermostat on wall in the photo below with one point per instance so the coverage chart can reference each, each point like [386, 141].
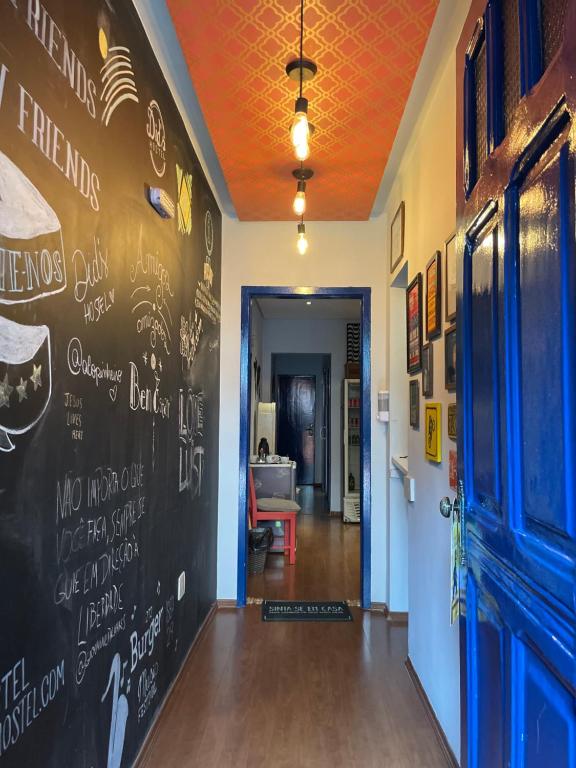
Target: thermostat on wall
[162, 202]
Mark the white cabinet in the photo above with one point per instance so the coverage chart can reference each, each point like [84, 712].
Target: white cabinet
[352, 416]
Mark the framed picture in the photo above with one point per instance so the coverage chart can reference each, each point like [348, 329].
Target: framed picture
[450, 359]
[397, 238]
[453, 469]
[414, 404]
[452, 421]
[428, 370]
[433, 432]
[450, 280]
[414, 324]
[434, 296]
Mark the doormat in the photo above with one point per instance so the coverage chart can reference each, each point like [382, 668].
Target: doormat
[304, 610]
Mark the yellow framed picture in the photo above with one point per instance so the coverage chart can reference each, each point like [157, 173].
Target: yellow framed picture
[433, 432]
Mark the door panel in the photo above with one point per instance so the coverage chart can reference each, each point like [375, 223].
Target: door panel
[516, 388]
[296, 423]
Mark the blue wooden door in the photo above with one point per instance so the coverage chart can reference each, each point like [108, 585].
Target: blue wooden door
[517, 382]
[296, 423]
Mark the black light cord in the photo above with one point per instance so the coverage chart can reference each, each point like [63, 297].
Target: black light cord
[301, 40]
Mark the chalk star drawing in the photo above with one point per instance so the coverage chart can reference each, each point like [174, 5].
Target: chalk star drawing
[5, 392]
[21, 389]
[184, 201]
[36, 377]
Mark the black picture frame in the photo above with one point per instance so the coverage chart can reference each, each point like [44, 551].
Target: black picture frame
[450, 359]
[428, 370]
[414, 403]
[397, 238]
[414, 325]
[450, 280]
[434, 297]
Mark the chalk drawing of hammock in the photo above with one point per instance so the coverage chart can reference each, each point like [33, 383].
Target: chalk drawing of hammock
[118, 82]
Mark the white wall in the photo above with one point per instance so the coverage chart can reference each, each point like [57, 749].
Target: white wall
[426, 181]
[398, 446]
[321, 337]
[341, 254]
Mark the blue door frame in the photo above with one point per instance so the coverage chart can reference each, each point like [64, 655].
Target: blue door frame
[254, 292]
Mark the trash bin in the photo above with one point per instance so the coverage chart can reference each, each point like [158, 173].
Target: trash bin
[259, 540]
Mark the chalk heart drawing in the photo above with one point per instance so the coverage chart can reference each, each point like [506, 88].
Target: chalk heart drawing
[113, 392]
[116, 76]
[32, 262]
[25, 378]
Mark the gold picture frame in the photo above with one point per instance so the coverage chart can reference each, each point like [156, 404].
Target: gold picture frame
[433, 432]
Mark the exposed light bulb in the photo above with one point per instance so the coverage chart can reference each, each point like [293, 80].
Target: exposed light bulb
[300, 130]
[302, 242]
[299, 204]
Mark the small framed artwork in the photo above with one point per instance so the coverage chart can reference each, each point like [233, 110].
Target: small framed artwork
[414, 324]
[452, 421]
[450, 359]
[428, 370]
[450, 280]
[414, 404]
[453, 469]
[397, 238]
[433, 432]
[434, 296]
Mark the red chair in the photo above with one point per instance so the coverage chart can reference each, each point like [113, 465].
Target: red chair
[275, 509]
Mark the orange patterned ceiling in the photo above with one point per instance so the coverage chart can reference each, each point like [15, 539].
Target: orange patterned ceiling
[367, 52]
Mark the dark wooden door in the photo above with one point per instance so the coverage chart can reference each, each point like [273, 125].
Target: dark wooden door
[296, 423]
[516, 377]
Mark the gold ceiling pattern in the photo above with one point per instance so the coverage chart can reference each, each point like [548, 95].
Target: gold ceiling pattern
[367, 52]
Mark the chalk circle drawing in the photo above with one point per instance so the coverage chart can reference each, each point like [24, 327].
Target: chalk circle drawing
[32, 262]
[119, 715]
[184, 197]
[25, 378]
[156, 133]
[116, 76]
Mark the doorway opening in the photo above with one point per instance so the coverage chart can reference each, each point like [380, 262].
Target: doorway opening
[293, 385]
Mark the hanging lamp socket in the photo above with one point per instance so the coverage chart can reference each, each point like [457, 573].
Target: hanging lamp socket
[306, 66]
[303, 174]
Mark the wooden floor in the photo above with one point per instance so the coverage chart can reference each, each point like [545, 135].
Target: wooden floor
[327, 558]
[298, 695]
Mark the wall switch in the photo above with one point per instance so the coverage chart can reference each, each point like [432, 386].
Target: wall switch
[181, 585]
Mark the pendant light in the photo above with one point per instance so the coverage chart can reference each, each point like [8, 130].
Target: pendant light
[302, 242]
[302, 175]
[300, 130]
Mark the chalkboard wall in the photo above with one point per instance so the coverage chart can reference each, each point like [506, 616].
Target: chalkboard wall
[109, 381]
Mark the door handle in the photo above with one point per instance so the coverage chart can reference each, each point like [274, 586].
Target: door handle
[446, 507]
[323, 433]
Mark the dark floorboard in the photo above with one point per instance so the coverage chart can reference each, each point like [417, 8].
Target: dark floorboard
[298, 695]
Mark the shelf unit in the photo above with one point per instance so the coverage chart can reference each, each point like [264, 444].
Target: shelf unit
[352, 417]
